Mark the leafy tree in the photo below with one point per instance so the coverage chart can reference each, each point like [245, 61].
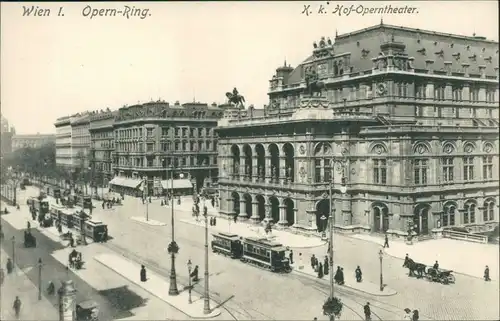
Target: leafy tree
[332, 308]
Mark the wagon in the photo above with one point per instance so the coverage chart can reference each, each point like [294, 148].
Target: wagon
[87, 310]
[441, 276]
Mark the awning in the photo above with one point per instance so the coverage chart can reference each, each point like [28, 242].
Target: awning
[127, 182]
[178, 184]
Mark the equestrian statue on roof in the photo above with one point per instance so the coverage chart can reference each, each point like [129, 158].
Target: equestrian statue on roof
[236, 99]
[313, 84]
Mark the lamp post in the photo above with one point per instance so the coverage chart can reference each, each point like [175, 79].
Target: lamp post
[13, 252]
[206, 301]
[145, 196]
[381, 256]
[189, 265]
[173, 248]
[39, 279]
[83, 218]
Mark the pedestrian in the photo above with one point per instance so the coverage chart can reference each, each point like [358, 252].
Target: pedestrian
[143, 274]
[320, 270]
[290, 256]
[9, 266]
[103, 204]
[235, 218]
[386, 242]
[359, 274]
[368, 312]
[313, 262]
[407, 315]
[212, 201]
[28, 225]
[215, 221]
[17, 307]
[326, 266]
[194, 274]
[415, 315]
[211, 221]
[337, 275]
[71, 241]
[487, 274]
[161, 203]
[436, 266]
[150, 199]
[301, 262]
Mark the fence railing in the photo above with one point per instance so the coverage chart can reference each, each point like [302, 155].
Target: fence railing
[465, 236]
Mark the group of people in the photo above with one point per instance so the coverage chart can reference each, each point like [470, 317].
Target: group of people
[411, 315]
[109, 203]
[321, 268]
[9, 266]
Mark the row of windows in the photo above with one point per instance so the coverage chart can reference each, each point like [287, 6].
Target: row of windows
[323, 171]
[165, 131]
[469, 214]
[102, 135]
[168, 161]
[205, 146]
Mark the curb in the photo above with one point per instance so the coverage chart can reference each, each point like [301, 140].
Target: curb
[215, 312]
[384, 294]
[217, 230]
[401, 258]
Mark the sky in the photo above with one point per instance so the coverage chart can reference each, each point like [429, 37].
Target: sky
[56, 65]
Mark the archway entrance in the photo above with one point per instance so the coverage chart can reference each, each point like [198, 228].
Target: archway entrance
[380, 218]
[235, 153]
[275, 209]
[236, 202]
[322, 214]
[261, 207]
[421, 219]
[261, 162]
[248, 204]
[275, 163]
[290, 213]
[247, 152]
[289, 162]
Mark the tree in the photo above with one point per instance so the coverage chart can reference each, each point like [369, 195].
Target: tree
[332, 307]
[40, 160]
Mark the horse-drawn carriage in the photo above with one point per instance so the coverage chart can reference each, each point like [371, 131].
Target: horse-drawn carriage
[87, 310]
[441, 276]
[29, 240]
[420, 270]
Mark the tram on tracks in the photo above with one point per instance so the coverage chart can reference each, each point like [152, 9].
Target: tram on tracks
[259, 252]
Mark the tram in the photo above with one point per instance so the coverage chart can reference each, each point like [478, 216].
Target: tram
[259, 252]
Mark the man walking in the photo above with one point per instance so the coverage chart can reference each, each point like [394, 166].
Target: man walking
[17, 307]
[368, 312]
[386, 242]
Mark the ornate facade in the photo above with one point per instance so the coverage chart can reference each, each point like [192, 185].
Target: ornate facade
[64, 157]
[156, 140]
[102, 145]
[407, 122]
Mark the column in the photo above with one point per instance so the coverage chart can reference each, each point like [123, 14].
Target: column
[282, 221]
[254, 169]
[243, 209]
[311, 216]
[230, 205]
[282, 170]
[268, 217]
[268, 169]
[255, 212]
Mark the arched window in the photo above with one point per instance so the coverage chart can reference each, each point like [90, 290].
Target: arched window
[469, 213]
[489, 211]
[449, 216]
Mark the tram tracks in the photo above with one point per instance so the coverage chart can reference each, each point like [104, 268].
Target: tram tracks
[232, 307]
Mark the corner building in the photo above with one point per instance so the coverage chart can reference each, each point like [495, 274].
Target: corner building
[407, 118]
[102, 145]
[157, 141]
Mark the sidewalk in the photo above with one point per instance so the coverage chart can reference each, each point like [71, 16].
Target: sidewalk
[157, 286]
[18, 284]
[245, 229]
[364, 286]
[460, 256]
[19, 218]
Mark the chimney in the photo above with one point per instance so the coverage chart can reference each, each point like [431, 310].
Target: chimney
[428, 65]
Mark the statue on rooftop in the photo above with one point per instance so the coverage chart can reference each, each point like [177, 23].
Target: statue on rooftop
[235, 99]
[313, 84]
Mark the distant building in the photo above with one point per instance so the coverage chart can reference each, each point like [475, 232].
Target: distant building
[6, 136]
[155, 141]
[32, 141]
[63, 142]
[406, 120]
[102, 145]
[80, 140]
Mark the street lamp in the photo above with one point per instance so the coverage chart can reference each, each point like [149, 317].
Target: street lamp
[173, 248]
[145, 196]
[206, 303]
[189, 265]
[83, 218]
[39, 279]
[381, 256]
[13, 252]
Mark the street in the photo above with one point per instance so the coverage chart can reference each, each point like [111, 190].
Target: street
[261, 294]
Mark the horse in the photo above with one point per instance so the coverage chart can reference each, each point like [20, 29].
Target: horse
[235, 98]
[413, 267]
